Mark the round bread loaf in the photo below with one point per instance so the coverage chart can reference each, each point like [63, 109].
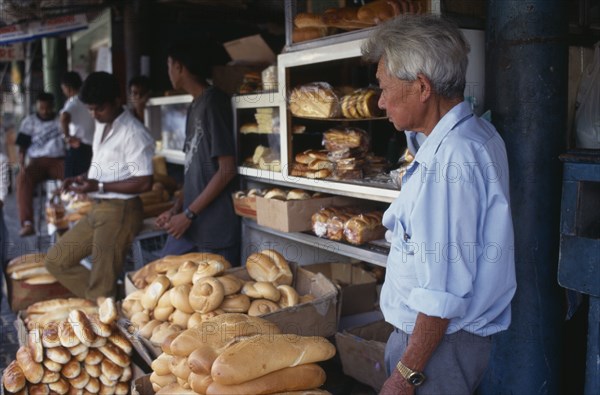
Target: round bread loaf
[262, 306]
[108, 311]
[60, 387]
[115, 354]
[50, 376]
[184, 274]
[289, 296]
[231, 284]
[93, 386]
[93, 370]
[180, 318]
[71, 369]
[206, 295]
[13, 378]
[261, 290]
[275, 193]
[210, 268]
[51, 365]
[93, 357]
[298, 194]
[161, 365]
[67, 335]
[154, 291]
[270, 266]
[199, 382]
[60, 355]
[81, 380]
[110, 370]
[237, 303]
[120, 340]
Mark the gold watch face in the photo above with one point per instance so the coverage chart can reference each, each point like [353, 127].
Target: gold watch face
[416, 378]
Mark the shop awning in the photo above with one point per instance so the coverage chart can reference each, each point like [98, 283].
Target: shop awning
[37, 29]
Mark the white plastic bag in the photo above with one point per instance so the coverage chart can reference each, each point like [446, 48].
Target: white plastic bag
[587, 114]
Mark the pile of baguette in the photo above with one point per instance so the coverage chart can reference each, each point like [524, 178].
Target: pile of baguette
[349, 224]
[30, 269]
[79, 350]
[239, 354]
[180, 292]
[309, 26]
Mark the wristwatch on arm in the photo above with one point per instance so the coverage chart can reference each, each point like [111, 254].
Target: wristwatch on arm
[100, 187]
[189, 214]
[413, 377]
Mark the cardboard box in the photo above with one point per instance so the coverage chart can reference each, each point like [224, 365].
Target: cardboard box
[245, 206]
[293, 215]
[316, 318]
[21, 295]
[361, 350]
[357, 286]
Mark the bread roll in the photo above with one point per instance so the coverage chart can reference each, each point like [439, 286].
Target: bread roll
[179, 367]
[25, 261]
[199, 383]
[269, 266]
[163, 313]
[210, 268]
[106, 389]
[50, 336]
[236, 303]
[93, 385]
[82, 327]
[93, 357]
[307, 19]
[161, 365]
[162, 332]
[81, 380]
[126, 375]
[60, 387]
[107, 383]
[216, 332]
[24, 274]
[120, 340]
[262, 306]
[38, 389]
[377, 11]
[34, 342]
[78, 349]
[81, 356]
[121, 389]
[154, 291]
[159, 382]
[98, 327]
[206, 295]
[184, 274]
[253, 357]
[32, 370]
[141, 318]
[110, 370]
[50, 376]
[180, 318]
[13, 377]
[99, 342]
[287, 379]
[175, 388]
[231, 284]
[180, 298]
[115, 354]
[71, 369]
[261, 290]
[201, 359]
[289, 296]
[275, 193]
[51, 365]
[108, 311]
[93, 370]
[146, 330]
[67, 335]
[42, 279]
[298, 194]
[165, 346]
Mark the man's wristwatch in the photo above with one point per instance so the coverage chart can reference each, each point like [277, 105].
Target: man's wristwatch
[413, 377]
[189, 214]
[100, 187]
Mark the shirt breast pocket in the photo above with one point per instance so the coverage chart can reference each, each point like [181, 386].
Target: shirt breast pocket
[402, 255]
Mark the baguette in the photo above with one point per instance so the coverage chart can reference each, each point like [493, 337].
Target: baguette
[287, 379]
[32, 370]
[23, 274]
[25, 262]
[307, 19]
[42, 279]
[46, 306]
[262, 354]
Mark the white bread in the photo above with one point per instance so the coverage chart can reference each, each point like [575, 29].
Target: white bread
[120, 340]
[261, 290]
[262, 306]
[110, 370]
[154, 291]
[236, 303]
[269, 266]
[24, 274]
[206, 295]
[180, 298]
[146, 330]
[210, 268]
[216, 332]
[262, 354]
[81, 380]
[71, 369]
[199, 383]
[108, 311]
[201, 359]
[60, 387]
[287, 379]
[179, 367]
[93, 370]
[13, 377]
[93, 385]
[60, 314]
[161, 381]
[50, 376]
[289, 296]
[180, 318]
[93, 357]
[161, 365]
[175, 388]
[51, 365]
[183, 274]
[165, 299]
[165, 346]
[42, 279]
[163, 313]
[140, 319]
[231, 284]
[25, 261]
[32, 370]
[115, 354]
[34, 342]
[162, 332]
[315, 100]
[82, 327]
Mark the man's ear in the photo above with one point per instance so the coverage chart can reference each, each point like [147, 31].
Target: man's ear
[425, 87]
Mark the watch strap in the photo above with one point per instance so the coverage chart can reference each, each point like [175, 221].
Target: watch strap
[190, 214]
[412, 376]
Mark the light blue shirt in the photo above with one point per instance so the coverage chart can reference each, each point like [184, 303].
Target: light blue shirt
[452, 253]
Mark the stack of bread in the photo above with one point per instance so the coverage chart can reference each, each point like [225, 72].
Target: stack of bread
[264, 158]
[81, 353]
[310, 26]
[347, 149]
[30, 269]
[182, 292]
[315, 100]
[291, 194]
[349, 224]
[239, 354]
[312, 164]
[362, 103]
[267, 120]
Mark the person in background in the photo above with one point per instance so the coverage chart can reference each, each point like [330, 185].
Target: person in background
[121, 170]
[40, 140]
[77, 126]
[450, 274]
[139, 93]
[203, 218]
[4, 183]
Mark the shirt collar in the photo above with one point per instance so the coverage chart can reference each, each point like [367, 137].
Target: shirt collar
[448, 122]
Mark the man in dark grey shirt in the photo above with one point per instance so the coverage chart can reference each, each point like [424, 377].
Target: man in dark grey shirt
[203, 219]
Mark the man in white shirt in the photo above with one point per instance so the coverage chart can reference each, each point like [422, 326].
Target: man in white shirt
[77, 126]
[40, 140]
[121, 169]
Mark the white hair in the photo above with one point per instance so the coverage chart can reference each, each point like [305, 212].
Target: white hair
[422, 44]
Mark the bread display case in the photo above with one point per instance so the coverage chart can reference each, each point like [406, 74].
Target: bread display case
[165, 119]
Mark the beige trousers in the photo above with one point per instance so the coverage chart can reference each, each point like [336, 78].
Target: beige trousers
[106, 234]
